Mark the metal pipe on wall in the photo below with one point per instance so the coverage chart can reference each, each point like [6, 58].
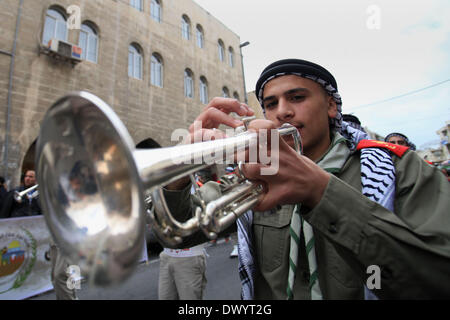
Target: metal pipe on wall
[246, 43]
[8, 107]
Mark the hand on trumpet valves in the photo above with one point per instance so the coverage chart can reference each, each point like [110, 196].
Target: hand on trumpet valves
[30, 193]
[297, 180]
[205, 127]
[216, 113]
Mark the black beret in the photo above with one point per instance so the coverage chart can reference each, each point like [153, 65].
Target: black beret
[305, 69]
[298, 66]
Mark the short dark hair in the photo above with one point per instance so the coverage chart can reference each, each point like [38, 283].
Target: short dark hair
[2, 180]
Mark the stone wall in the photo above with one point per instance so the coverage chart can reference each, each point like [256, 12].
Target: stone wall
[148, 111]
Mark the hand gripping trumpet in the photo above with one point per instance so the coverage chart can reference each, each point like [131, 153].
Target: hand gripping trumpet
[18, 196]
[93, 184]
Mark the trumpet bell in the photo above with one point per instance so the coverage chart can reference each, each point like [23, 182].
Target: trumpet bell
[92, 183]
[92, 196]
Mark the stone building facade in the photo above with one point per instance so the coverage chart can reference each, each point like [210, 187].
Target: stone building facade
[121, 39]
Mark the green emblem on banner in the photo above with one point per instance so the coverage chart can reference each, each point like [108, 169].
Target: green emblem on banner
[17, 258]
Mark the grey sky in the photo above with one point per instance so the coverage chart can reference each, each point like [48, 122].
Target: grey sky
[409, 51]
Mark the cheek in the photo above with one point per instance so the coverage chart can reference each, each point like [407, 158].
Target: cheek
[271, 115]
[315, 117]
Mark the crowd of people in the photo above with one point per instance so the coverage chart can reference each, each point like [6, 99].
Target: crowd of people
[344, 204]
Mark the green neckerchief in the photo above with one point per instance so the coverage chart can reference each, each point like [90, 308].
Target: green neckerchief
[336, 155]
[332, 161]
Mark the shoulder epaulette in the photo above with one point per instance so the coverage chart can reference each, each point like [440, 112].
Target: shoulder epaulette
[394, 148]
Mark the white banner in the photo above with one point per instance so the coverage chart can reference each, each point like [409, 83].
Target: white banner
[24, 270]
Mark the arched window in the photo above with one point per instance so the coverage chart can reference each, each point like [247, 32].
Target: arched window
[200, 36]
[148, 143]
[221, 48]
[231, 57]
[88, 43]
[155, 10]
[156, 70]
[137, 4]
[55, 26]
[188, 84]
[134, 61]
[203, 90]
[185, 27]
[225, 92]
[236, 96]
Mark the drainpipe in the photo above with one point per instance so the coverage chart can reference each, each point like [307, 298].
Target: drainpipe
[8, 108]
[246, 43]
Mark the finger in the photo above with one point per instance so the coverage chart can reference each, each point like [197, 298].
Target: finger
[213, 134]
[258, 124]
[250, 171]
[212, 118]
[264, 152]
[266, 202]
[270, 142]
[228, 105]
[203, 135]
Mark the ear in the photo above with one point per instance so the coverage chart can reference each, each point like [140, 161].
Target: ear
[332, 107]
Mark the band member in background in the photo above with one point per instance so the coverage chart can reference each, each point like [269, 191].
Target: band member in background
[400, 139]
[28, 206]
[182, 272]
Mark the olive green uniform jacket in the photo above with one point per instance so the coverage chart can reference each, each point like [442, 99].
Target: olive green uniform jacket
[411, 247]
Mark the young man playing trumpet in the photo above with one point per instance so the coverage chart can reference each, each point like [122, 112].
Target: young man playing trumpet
[345, 219]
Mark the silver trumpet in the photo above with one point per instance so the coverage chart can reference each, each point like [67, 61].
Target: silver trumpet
[94, 187]
[18, 196]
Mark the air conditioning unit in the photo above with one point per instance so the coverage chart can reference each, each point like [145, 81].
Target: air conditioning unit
[65, 50]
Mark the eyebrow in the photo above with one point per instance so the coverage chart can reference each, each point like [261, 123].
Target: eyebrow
[290, 91]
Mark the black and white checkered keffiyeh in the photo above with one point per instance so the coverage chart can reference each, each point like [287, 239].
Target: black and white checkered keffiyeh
[246, 255]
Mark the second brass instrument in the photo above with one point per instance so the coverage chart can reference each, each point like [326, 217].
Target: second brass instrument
[18, 196]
